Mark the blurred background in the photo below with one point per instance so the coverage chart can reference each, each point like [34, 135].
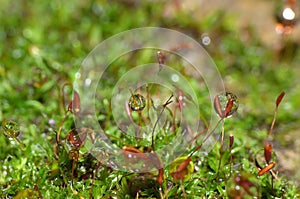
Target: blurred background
[254, 43]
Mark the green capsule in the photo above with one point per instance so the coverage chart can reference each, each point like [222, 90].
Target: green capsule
[11, 128]
[182, 168]
[137, 102]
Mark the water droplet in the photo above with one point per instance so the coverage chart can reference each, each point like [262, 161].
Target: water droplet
[87, 82]
[286, 17]
[180, 98]
[77, 75]
[74, 139]
[226, 104]
[137, 102]
[288, 14]
[205, 39]
[11, 128]
[175, 78]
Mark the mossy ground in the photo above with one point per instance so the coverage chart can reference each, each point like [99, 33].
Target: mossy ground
[42, 46]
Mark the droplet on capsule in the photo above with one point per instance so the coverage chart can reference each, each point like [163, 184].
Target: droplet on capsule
[11, 128]
[226, 104]
[137, 102]
[286, 17]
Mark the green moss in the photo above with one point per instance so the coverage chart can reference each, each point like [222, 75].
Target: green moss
[42, 46]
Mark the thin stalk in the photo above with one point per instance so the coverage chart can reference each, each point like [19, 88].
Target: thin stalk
[158, 118]
[221, 146]
[205, 139]
[272, 182]
[231, 141]
[273, 123]
[56, 153]
[174, 120]
[72, 182]
[22, 145]
[138, 132]
[182, 188]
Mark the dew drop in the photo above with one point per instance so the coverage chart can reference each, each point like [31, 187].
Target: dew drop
[205, 39]
[87, 82]
[222, 104]
[137, 102]
[11, 128]
[77, 75]
[180, 98]
[175, 78]
[288, 14]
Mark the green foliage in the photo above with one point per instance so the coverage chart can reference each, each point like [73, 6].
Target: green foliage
[42, 46]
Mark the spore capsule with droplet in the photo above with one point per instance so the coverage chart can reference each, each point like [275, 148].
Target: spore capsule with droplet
[11, 128]
[137, 102]
[226, 104]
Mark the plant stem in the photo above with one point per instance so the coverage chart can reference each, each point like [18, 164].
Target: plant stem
[221, 146]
